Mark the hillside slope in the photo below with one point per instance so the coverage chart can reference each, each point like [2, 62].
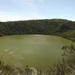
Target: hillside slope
[61, 27]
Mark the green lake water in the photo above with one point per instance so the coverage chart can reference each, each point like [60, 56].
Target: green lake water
[40, 51]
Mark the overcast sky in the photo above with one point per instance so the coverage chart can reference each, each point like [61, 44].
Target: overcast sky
[36, 9]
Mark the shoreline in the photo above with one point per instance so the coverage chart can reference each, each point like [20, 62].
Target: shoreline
[59, 35]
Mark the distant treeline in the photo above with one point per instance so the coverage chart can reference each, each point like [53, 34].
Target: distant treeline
[61, 27]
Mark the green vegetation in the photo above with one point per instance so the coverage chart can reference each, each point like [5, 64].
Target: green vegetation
[66, 67]
[61, 27]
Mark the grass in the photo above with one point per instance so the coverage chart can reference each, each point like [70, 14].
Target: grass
[65, 67]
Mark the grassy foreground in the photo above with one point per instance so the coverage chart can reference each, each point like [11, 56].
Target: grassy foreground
[65, 67]
[58, 69]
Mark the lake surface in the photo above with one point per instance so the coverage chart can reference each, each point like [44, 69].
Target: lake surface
[40, 51]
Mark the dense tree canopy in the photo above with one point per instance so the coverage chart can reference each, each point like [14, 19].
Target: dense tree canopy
[59, 27]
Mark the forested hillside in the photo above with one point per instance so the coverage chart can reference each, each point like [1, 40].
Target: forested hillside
[61, 27]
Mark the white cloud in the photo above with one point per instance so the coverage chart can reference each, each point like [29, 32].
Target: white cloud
[6, 16]
[25, 9]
